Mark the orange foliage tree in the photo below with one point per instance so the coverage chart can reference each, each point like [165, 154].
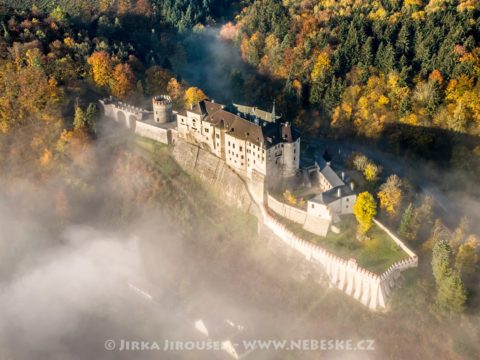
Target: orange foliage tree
[123, 81]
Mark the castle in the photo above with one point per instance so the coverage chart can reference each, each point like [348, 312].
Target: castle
[251, 142]
[261, 148]
[256, 144]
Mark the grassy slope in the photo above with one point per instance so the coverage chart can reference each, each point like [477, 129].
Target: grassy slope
[191, 191]
[376, 254]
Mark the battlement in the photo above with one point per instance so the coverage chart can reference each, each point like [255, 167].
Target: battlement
[162, 100]
[119, 105]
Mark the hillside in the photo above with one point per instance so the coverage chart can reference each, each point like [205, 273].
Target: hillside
[401, 74]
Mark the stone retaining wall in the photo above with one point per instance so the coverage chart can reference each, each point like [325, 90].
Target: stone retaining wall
[370, 289]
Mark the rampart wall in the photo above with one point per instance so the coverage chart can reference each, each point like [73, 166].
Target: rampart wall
[153, 132]
[372, 290]
[287, 211]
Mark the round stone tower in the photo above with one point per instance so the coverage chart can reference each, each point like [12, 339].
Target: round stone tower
[162, 109]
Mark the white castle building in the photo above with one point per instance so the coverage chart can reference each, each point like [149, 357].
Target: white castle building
[250, 141]
[254, 143]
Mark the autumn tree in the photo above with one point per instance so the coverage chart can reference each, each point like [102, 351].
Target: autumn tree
[321, 66]
[193, 95]
[466, 259]
[360, 161]
[460, 233]
[365, 210]
[58, 14]
[101, 68]
[175, 90]
[371, 172]
[289, 197]
[390, 195]
[26, 93]
[123, 81]
[157, 80]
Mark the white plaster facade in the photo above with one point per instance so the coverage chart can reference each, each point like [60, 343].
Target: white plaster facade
[247, 146]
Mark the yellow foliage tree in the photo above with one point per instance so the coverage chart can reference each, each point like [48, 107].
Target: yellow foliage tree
[193, 95]
[101, 68]
[289, 197]
[390, 195]
[321, 66]
[365, 210]
[371, 172]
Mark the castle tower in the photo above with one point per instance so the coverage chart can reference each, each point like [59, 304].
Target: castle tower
[162, 109]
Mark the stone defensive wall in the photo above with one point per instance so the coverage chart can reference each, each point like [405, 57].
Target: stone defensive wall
[153, 132]
[137, 120]
[287, 211]
[372, 290]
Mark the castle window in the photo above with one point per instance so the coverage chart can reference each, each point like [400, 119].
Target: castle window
[254, 161]
[242, 157]
[240, 148]
[229, 143]
[313, 206]
[234, 146]
[218, 136]
[294, 158]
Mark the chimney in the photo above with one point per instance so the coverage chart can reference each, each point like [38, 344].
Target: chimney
[352, 185]
[339, 192]
[343, 175]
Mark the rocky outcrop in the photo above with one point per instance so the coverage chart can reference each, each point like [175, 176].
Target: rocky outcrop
[214, 172]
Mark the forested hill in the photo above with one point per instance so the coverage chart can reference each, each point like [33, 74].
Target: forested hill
[366, 64]
[181, 14]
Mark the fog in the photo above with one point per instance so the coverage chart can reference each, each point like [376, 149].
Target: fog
[215, 66]
[68, 284]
